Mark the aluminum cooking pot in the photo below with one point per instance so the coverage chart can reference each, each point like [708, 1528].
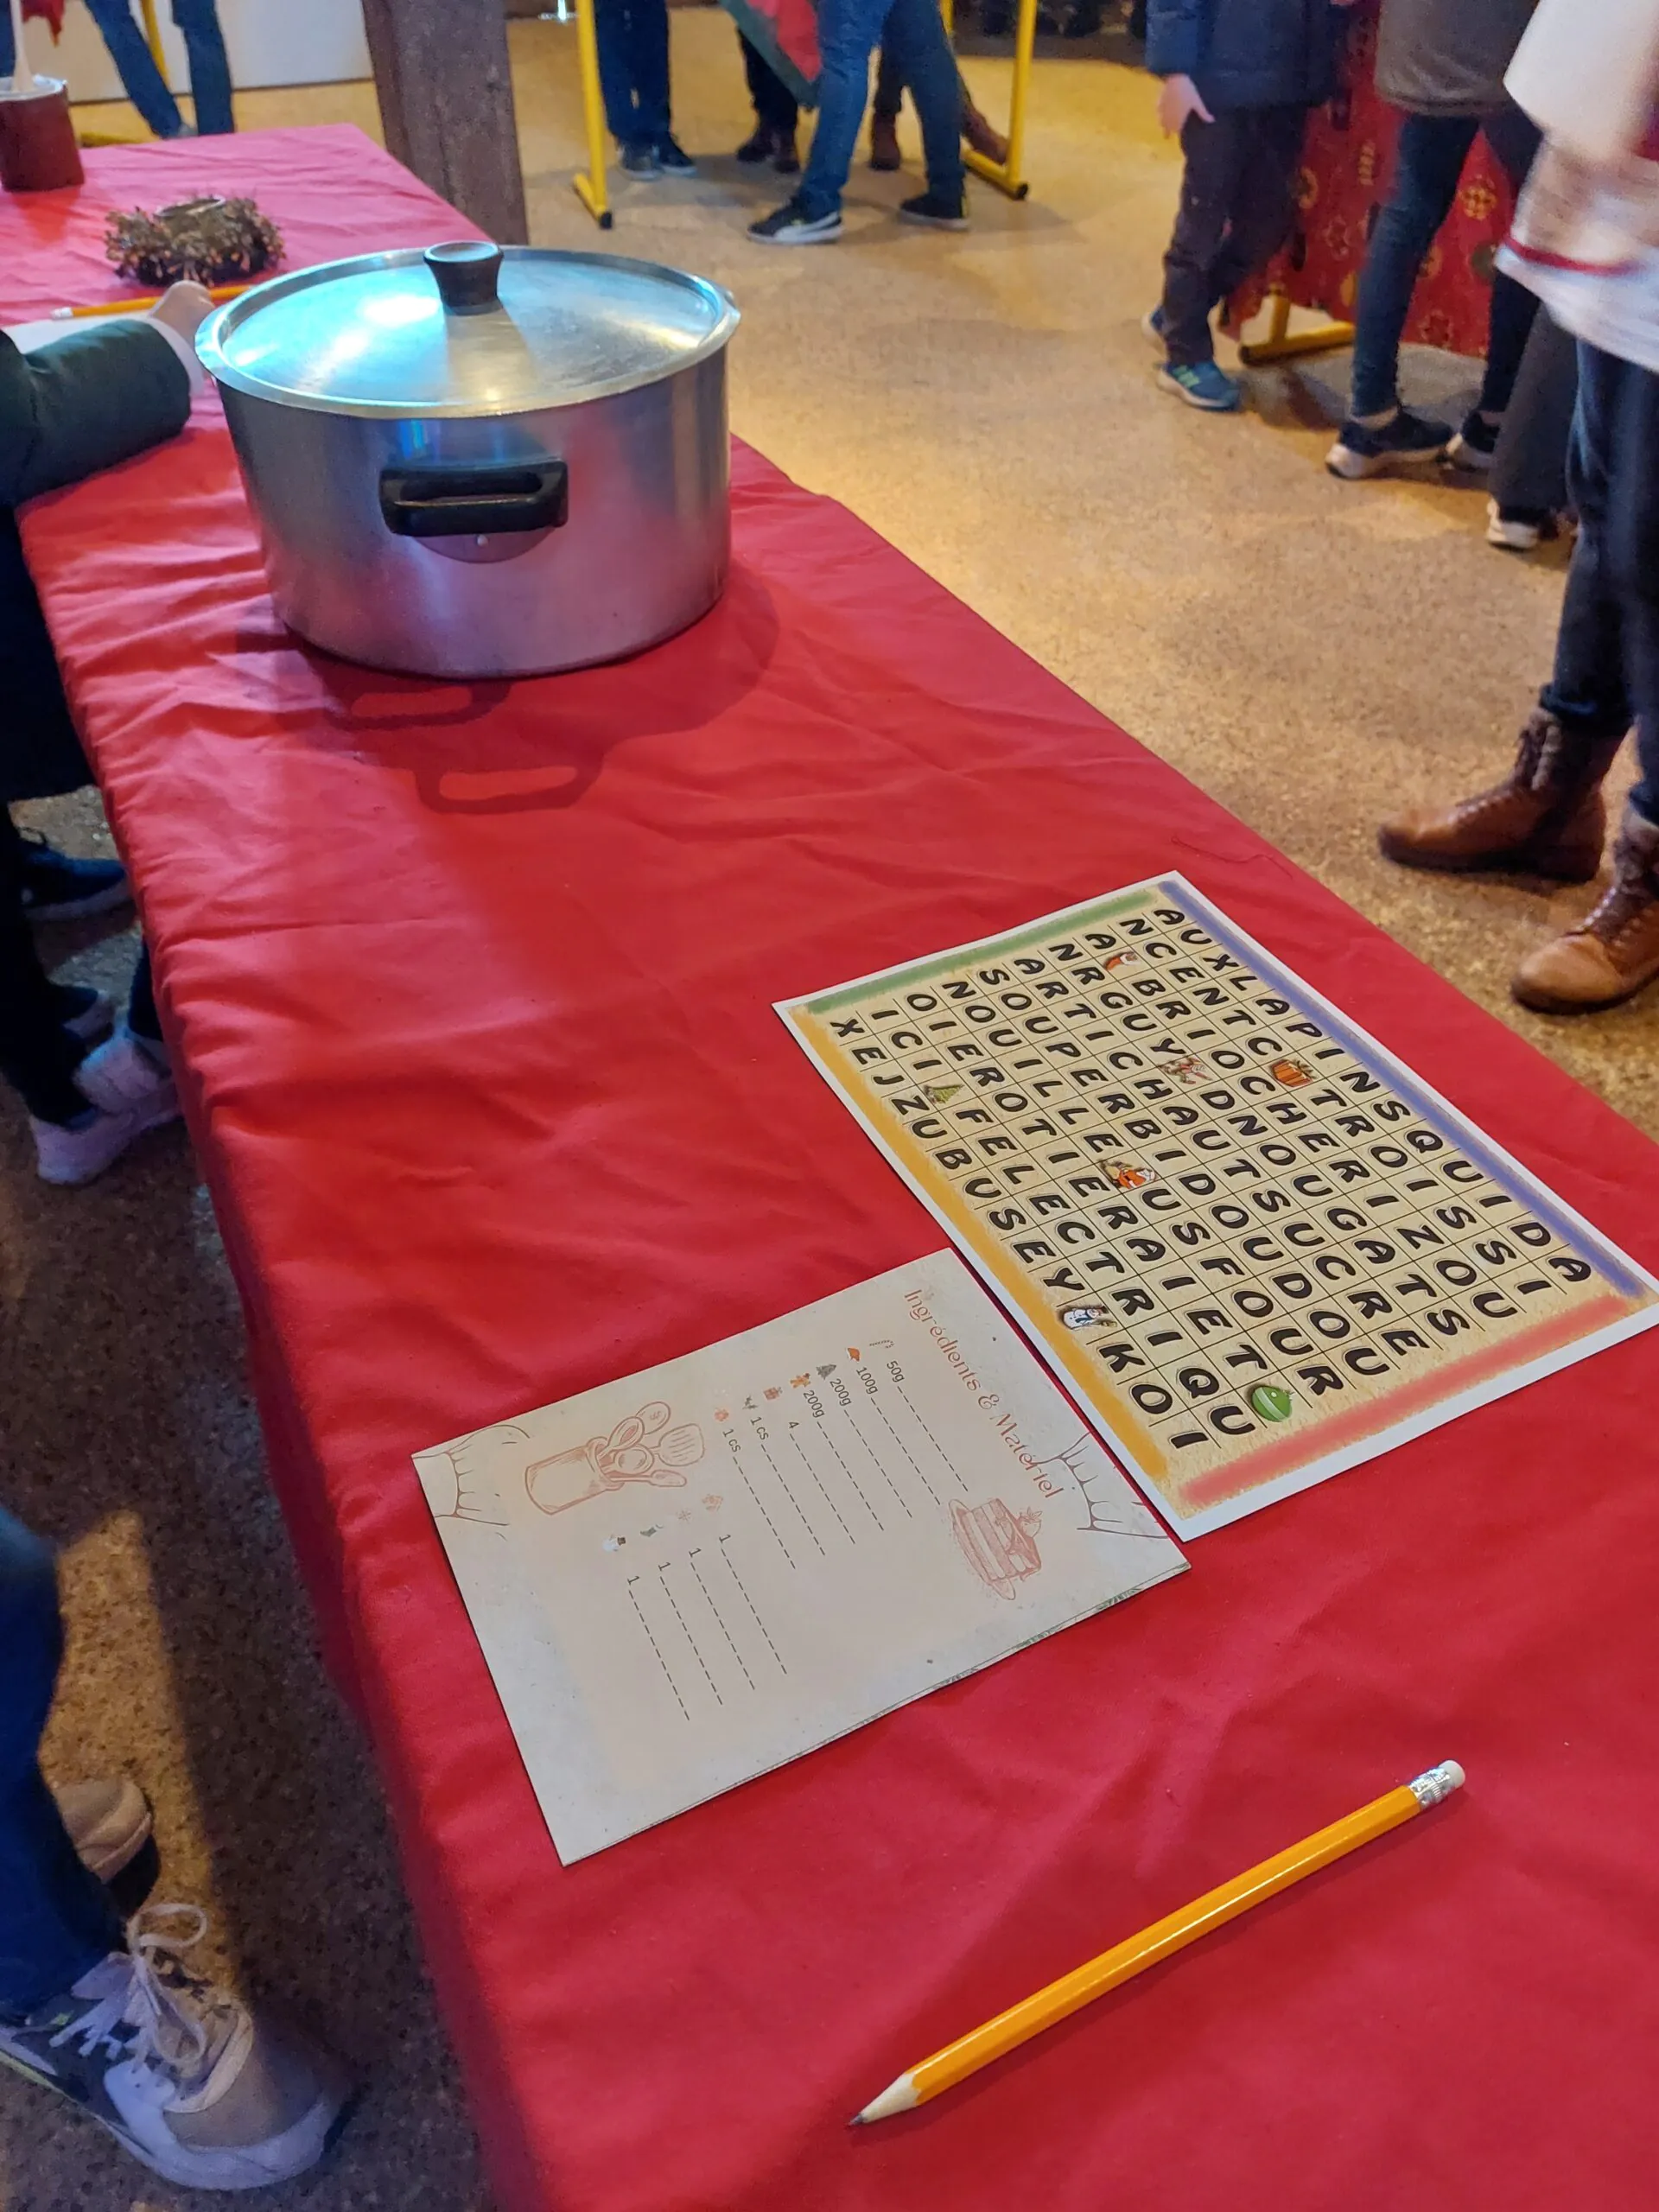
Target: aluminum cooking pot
[469, 462]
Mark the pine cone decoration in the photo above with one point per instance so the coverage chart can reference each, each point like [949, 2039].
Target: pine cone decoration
[210, 240]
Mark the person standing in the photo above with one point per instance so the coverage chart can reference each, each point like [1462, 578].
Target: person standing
[1527, 483]
[632, 38]
[977, 130]
[777, 115]
[1587, 241]
[848, 34]
[1443, 62]
[1239, 79]
[146, 88]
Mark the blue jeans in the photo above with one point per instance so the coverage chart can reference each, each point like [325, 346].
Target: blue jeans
[1606, 670]
[1427, 164]
[913, 32]
[210, 71]
[632, 38]
[56, 1920]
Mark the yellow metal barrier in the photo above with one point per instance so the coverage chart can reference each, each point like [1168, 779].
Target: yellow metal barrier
[1281, 344]
[589, 183]
[1008, 176]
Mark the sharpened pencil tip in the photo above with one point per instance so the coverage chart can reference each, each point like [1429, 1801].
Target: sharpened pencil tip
[858, 2121]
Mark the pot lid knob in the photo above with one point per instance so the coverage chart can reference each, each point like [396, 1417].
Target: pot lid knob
[468, 272]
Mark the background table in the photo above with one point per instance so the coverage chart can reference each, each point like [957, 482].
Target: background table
[472, 987]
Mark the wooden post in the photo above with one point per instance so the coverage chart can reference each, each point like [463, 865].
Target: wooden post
[445, 86]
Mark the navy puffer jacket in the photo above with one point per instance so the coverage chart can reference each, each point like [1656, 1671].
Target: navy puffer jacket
[1247, 52]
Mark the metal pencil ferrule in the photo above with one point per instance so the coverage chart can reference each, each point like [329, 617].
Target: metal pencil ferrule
[1438, 1783]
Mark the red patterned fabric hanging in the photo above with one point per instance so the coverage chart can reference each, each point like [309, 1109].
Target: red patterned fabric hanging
[1346, 167]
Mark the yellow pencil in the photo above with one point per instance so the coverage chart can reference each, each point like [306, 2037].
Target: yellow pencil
[141, 306]
[1124, 1960]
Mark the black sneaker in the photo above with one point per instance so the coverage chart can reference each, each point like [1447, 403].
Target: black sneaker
[1475, 443]
[1404, 439]
[757, 147]
[57, 888]
[792, 224]
[640, 160]
[936, 211]
[673, 160]
[82, 1011]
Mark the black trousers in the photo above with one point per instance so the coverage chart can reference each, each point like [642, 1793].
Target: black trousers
[1530, 468]
[37, 1058]
[1238, 201]
[775, 105]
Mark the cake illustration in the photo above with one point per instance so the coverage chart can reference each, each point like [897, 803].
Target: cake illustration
[999, 1545]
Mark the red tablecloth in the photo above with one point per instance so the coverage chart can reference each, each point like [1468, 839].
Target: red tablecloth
[1347, 167]
[472, 986]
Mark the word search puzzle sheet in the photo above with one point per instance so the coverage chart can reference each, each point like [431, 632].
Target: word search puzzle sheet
[1254, 1244]
[685, 1578]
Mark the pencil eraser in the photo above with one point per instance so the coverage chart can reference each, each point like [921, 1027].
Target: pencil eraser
[1438, 1782]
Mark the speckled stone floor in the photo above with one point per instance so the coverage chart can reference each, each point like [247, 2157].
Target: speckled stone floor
[1311, 653]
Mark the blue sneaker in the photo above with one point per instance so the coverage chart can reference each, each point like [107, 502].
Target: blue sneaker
[1201, 384]
[1152, 326]
[1405, 441]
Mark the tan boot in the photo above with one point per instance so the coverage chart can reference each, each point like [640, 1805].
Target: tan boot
[884, 142]
[1545, 819]
[1615, 950]
[982, 135]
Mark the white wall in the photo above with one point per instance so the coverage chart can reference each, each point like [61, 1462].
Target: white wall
[270, 43]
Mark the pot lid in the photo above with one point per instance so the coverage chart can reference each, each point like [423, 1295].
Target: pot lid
[464, 329]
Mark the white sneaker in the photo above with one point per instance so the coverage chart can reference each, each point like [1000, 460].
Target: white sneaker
[129, 1092]
[126, 1076]
[201, 2091]
[108, 1823]
[70, 1157]
[1518, 530]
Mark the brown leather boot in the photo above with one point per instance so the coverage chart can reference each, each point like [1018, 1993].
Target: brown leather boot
[1545, 819]
[1615, 950]
[976, 128]
[884, 142]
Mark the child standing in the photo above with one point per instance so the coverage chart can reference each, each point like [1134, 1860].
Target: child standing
[1239, 79]
[1586, 242]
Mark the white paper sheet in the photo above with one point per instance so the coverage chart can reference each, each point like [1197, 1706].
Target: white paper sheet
[683, 1579]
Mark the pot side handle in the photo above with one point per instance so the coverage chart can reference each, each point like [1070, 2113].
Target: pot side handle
[469, 501]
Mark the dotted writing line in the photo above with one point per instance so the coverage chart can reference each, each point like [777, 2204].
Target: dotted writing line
[662, 1576]
[692, 1563]
[845, 1470]
[657, 1648]
[749, 1602]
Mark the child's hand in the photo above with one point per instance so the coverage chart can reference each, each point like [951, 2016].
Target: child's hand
[1176, 101]
[183, 308]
